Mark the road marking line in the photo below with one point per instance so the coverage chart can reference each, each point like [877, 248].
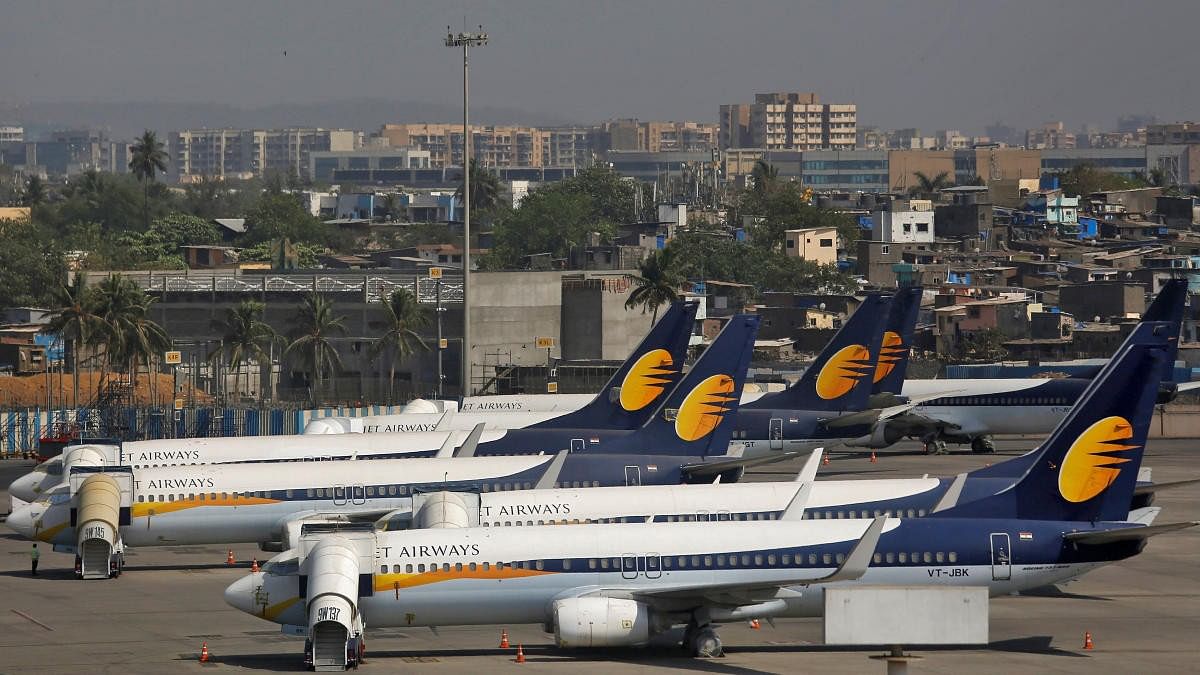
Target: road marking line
[25, 616]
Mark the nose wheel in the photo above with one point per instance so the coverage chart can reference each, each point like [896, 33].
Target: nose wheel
[935, 447]
[983, 445]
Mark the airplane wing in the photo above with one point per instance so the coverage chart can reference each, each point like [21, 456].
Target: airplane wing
[808, 475]
[890, 412]
[1126, 533]
[736, 594]
[716, 466]
[1187, 386]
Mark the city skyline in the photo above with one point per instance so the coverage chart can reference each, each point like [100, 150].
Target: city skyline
[941, 66]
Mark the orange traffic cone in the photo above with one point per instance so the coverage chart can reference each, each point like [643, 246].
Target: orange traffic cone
[1087, 640]
[204, 653]
[825, 461]
[254, 565]
[520, 654]
[873, 459]
[754, 624]
[504, 639]
[229, 558]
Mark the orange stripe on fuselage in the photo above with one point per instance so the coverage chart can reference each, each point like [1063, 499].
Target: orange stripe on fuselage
[143, 509]
[387, 582]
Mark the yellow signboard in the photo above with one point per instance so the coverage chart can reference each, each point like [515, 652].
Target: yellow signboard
[179, 404]
[172, 358]
[551, 387]
[443, 344]
[544, 342]
[435, 273]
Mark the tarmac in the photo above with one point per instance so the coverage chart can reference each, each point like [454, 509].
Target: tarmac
[1143, 613]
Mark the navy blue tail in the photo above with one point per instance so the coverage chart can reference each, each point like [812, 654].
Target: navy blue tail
[897, 341]
[699, 415]
[633, 393]
[1087, 469]
[1168, 306]
[840, 377]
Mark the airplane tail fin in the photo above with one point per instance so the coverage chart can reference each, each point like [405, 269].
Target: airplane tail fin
[1168, 306]
[1087, 469]
[897, 341]
[840, 377]
[698, 416]
[628, 399]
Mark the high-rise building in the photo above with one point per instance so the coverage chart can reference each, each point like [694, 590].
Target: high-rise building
[799, 121]
[244, 153]
[1049, 136]
[491, 146]
[636, 136]
[735, 126]
[12, 133]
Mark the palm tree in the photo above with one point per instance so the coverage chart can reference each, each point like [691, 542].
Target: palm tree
[244, 337]
[765, 176]
[485, 188]
[123, 326]
[35, 192]
[928, 187]
[147, 159]
[403, 316]
[73, 322]
[391, 207]
[657, 283]
[312, 341]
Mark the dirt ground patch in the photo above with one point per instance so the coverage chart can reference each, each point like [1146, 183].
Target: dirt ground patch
[27, 391]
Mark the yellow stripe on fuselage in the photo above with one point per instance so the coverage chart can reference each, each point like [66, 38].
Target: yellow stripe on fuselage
[143, 509]
[48, 534]
[387, 582]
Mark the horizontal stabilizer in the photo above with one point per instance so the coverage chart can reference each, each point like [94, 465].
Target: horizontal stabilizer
[1151, 488]
[468, 447]
[1126, 533]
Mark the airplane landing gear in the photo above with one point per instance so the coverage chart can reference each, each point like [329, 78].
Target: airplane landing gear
[983, 445]
[702, 641]
[935, 447]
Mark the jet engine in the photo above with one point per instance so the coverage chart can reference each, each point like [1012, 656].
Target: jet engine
[882, 435]
[601, 622]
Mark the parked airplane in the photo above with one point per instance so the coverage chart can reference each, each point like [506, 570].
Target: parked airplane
[243, 503]
[971, 411]
[615, 585]
[681, 426]
[624, 402]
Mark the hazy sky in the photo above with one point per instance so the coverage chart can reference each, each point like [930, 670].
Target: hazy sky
[916, 63]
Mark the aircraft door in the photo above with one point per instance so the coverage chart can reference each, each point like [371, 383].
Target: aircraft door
[358, 494]
[653, 566]
[629, 566]
[775, 433]
[339, 495]
[633, 475]
[1001, 557]
[577, 445]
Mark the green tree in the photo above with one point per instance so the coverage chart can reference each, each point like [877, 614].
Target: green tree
[928, 187]
[485, 188]
[656, 283]
[392, 209]
[32, 265]
[403, 317]
[549, 221]
[106, 199]
[280, 215]
[1084, 179]
[147, 159]
[244, 337]
[35, 192]
[125, 331]
[312, 340]
[784, 207]
[159, 246]
[765, 177]
[73, 321]
[610, 196]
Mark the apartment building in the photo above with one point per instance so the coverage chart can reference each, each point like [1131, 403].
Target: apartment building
[491, 146]
[1179, 133]
[245, 153]
[569, 146]
[734, 126]
[11, 133]
[799, 121]
[637, 136]
[1050, 136]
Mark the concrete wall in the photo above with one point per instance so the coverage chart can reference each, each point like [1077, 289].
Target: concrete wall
[595, 323]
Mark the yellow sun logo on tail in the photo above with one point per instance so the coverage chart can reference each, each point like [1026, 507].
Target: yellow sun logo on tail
[889, 353]
[1089, 467]
[647, 379]
[842, 371]
[704, 407]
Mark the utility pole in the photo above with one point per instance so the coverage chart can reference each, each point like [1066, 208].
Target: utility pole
[466, 41]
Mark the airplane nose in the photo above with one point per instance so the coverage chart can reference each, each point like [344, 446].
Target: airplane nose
[27, 488]
[241, 593]
[21, 520]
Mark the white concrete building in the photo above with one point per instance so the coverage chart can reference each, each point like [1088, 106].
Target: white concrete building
[905, 221]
